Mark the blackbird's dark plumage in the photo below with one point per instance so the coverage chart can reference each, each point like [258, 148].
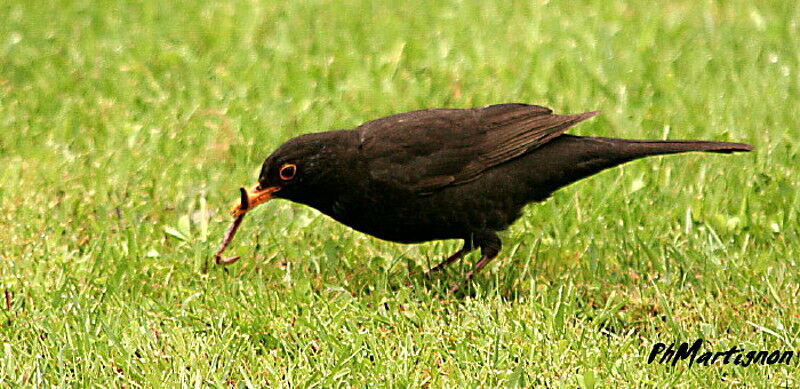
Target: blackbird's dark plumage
[449, 173]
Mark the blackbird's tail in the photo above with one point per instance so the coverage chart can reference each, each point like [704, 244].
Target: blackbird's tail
[569, 158]
[644, 148]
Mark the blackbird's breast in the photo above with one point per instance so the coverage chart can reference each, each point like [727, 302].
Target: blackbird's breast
[492, 202]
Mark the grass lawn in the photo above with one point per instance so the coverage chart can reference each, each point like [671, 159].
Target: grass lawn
[126, 128]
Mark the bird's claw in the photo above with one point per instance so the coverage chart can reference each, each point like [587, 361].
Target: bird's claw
[454, 288]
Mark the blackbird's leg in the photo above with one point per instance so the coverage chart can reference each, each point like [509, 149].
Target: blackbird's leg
[490, 246]
[456, 256]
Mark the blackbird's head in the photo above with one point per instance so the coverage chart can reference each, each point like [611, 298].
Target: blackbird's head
[295, 167]
[299, 170]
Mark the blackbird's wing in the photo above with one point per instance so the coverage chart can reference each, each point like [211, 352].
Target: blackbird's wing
[425, 150]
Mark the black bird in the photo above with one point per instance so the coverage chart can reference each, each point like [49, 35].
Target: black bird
[446, 173]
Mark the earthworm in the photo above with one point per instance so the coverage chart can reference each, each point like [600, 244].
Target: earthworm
[231, 232]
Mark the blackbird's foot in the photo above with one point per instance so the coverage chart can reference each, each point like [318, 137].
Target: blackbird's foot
[490, 247]
[471, 274]
[456, 256]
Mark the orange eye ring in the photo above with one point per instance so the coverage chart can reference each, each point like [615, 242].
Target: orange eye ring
[287, 171]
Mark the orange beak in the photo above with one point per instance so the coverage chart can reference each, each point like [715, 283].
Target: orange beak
[252, 198]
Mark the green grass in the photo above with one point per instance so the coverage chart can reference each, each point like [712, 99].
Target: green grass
[126, 128]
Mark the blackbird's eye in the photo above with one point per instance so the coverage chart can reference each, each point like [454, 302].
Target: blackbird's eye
[287, 171]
